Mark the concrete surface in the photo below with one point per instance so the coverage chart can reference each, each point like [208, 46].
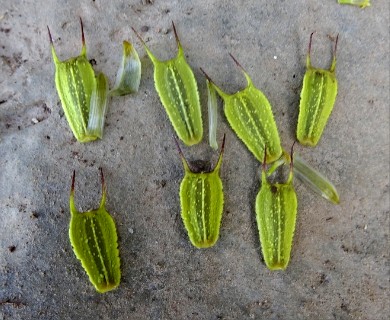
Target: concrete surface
[340, 261]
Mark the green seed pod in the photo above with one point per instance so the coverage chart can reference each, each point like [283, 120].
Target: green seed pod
[76, 85]
[201, 198]
[128, 77]
[95, 243]
[361, 3]
[250, 115]
[178, 91]
[318, 96]
[276, 212]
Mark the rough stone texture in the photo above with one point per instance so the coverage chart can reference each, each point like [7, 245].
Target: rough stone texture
[339, 265]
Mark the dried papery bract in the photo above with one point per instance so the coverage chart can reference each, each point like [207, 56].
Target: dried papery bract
[250, 115]
[129, 74]
[201, 199]
[318, 96]
[276, 212]
[213, 114]
[95, 242]
[311, 177]
[360, 3]
[315, 180]
[178, 91]
[83, 95]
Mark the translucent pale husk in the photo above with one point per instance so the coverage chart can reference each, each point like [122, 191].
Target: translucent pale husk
[213, 115]
[315, 180]
[309, 176]
[98, 107]
[129, 73]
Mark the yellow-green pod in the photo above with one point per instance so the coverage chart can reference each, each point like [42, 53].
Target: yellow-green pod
[95, 242]
[178, 91]
[360, 3]
[76, 85]
[201, 199]
[318, 96]
[250, 115]
[276, 212]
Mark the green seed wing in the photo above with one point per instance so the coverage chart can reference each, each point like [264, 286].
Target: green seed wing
[318, 96]
[178, 91]
[95, 243]
[75, 82]
[250, 115]
[201, 198]
[276, 210]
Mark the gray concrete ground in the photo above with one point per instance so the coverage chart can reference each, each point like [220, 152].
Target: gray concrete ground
[339, 267]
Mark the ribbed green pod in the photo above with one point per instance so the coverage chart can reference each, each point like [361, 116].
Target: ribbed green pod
[201, 199]
[76, 85]
[318, 95]
[95, 243]
[178, 91]
[250, 115]
[276, 212]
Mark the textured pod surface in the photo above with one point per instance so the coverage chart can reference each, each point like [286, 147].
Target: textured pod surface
[95, 243]
[250, 115]
[276, 212]
[201, 199]
[318, 95]
[76, 83]
[178, 91]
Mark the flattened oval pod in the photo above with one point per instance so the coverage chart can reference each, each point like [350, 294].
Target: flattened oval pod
[95, 243]
[201, 199]
[128, 77]
[250, 115]
[76, 84]
[318, 96]
[361, 3]
[178, 91]
[276, 212]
